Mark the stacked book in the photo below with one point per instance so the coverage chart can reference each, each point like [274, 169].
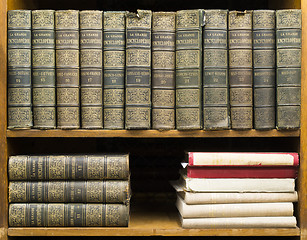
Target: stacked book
[69, 190]
[208, 69]
[237, 190]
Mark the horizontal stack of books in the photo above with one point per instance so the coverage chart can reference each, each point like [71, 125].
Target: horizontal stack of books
[69, 190]
[237, 190]
[189, 69]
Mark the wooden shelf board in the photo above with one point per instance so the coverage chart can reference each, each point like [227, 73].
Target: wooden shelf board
[148, 133]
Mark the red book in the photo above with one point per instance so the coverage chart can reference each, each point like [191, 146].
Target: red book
[242, 172]
[242, 159]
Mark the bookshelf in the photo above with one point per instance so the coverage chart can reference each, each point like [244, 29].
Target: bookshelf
[159, 217]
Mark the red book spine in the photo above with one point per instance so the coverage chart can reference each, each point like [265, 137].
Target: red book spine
[242, 172]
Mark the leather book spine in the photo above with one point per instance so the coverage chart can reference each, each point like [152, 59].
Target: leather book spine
[68, 215]
[138, 70]
[240, 69]
[43, 69]
[67, 68]
[288, 57]
[114, 45]
[91, 69]
[109, 191]
[19, 102]
[189, 69]
[264, 69]
[163, 70]
[215, 71]
[68, 167]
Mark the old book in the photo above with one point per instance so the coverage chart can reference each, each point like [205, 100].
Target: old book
[240, 69]
[243, 158]
[114, 44]
[91, 69]
[237, 184]
[19, 100]
[233, 197]
[138, 70]
[288, 44]
[241, 171]
[189, 25]
[43, 69]
[229, 210]
[239, 222]
[215, 71]
[163, 70]
[264, 68]
[67, 68]
[106, 191]
[68, 215]
[68, 167]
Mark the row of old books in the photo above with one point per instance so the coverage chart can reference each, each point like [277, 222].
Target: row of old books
[69, 190]
[237, 190]
[190, 69]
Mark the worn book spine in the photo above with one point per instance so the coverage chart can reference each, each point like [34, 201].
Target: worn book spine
[215, 71]
[264, 49]
[240, 69]
[19, 102]
[68, 215]
[288, 81]
[68, 167]
[109, 191]
[138, 70]
[67, 68]
[163, 70]
[189, 69]
[43, 69]
[91, 69]
[114, 44]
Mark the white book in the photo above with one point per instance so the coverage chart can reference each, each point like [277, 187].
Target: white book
[240, 222]
[238, 184]
[234, 209]
[233, 197]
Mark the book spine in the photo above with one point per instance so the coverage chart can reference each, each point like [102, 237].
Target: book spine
[188, 68]
[288, 81]
[114, 44]
[68, 215]
[264, 68]
[163, 70]
[67, 68]
[138, 70]
[43, 69]
[19, 100]
[215, 71]
[240, 69]
[109, 191]
[91, 69]
[68, 167]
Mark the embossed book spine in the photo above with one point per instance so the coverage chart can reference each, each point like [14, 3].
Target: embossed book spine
[163, 70]
[67, 68]
[264, 68]
[189, 69]
[108, 191]
[288, 44]
[240, 69]
[19, 102]
[68, 167]
[43, 69]
[114, 46]
[91, 69]
[68, 215]
[215, 71]
[138, 70]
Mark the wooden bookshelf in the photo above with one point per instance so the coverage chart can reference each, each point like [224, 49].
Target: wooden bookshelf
[155, 221]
